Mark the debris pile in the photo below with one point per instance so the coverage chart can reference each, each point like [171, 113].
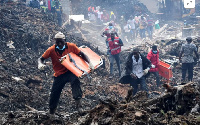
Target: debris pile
[24, 35]
[24, 90]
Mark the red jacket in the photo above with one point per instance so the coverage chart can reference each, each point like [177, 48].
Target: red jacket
[115, 49]
[154, 58]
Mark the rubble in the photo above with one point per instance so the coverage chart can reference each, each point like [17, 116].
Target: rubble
[24, 90]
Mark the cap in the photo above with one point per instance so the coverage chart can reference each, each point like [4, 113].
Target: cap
[189, 39]
[110, 24]
[59, 35]
[136, 50]
[154, 47]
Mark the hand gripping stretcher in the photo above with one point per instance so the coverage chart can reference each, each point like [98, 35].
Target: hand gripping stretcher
[79, 66]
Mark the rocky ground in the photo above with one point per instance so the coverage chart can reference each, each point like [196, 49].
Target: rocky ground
[26, 33]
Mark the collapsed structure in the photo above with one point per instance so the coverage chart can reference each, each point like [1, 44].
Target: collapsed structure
[25, 33]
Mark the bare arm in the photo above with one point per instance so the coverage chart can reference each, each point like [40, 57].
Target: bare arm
[85, 57]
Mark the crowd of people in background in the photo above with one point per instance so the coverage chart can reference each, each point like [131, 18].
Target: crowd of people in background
[136, 26]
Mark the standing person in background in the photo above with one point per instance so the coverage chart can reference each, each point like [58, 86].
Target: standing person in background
[150, 27]
[112, 16]
[187, 51]
[58, 12]
[137, 18]
[153, 56]
[115, 44]
[107, 33]
[105, 16]
[136, 68]
[90, 12]
[127, 32]
[142, 26]
[131, 22]
[99, 16]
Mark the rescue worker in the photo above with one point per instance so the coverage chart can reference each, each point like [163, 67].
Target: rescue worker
[107, 32]
[136, 68]
[58, 11]
[153, 56]
[115, 44]
[62, 74]
[186, 52]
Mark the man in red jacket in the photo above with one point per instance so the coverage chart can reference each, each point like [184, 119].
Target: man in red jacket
[115, 44]
[153, 56]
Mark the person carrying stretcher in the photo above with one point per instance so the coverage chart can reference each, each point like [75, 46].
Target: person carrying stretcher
[62, 75]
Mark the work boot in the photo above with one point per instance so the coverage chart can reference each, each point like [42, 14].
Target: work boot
[78, 105]
[183, 82]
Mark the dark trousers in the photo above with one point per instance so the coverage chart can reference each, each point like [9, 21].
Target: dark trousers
[117, 59]
[142, 83]
[58, 85]
[59, 21]
[150, 31]
[132, 34]
[142, 33]
[156, 74]
[189, 67]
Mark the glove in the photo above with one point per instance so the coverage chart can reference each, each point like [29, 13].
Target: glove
[102, 35]
[41, 66]
[153, 66]
[116, 43]
[146, 71]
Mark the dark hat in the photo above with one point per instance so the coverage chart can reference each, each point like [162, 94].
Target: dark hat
[154, 47]
[110, 24]
[189, 39]
[136, 50]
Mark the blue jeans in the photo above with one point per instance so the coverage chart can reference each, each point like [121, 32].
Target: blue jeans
[142, 83]
[150, 31]
[108, 49]
[189, 67]
[156, 74]
[142, 33]
[117, 59]
[132, 31]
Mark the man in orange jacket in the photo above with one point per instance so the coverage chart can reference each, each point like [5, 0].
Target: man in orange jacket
[153, 56]
[62, 74]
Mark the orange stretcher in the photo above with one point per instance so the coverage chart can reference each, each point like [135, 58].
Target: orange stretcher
[79, 66]
[165, 70]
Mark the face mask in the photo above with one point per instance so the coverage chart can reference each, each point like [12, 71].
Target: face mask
[154, 51]
[61, 49]
[110, 27]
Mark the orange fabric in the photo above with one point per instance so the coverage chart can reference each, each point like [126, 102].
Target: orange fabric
[55, 56]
